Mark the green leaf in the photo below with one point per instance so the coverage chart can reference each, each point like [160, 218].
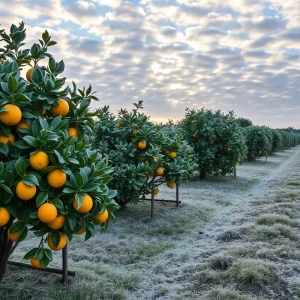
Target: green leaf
[79, 181]
[31, 179]
[5, 188]
[68, 190]
[41, 198]
[12, 84]
[59, 157]
[55, 238]
[79, 200]
[71, 222]
[22, 144]
[32, 141]
[57, 203]
[20, 166]
[3, 148]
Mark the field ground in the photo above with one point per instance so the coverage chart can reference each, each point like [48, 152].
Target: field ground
[234, 239]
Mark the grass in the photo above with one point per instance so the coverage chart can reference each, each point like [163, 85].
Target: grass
[274, 219]
[220, 293]
[224, 202]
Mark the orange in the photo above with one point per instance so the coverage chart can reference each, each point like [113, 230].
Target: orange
[36, 263]
[81, 230]
[57, 178]
[212, 142]
[142, 145]
[171, 184]
[14, 235]
[118, 125]
[12, 116]
[1, 60]
[47, 212]
[193, 121]
[173, 154]
[62, 241]
[4, 216]
[29, 73]
[159, 171]
[134, 131]
[167, 152]
[57, 223]
[39, 160]
[155, 192]
[101, 218]
[61, 109]
[73, 132]
[228, 149]
[24, 191]
[23, 124]
[5, 139]
[86, 206]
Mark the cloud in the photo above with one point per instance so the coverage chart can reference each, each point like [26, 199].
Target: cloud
[231, 55]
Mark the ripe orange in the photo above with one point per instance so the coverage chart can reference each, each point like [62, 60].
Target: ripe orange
[47, 212]
[193, 122]
[1, 60]
[228, 149]
[159, 171]
[5, 139]
[118, 125]
[62, 241]
[171, 184]
[73, 132]
[12, 116]
[134, 131]
[101, 218]
[173, 154]
[86, 205]
[142, 145]
[57, 223]
[4, 216]
[24, 191]
[56, 178]
[14, 235]
[29, 73]
[155, 192]
[22, 124]
[61, 109]
[39, 160]
[36, 263]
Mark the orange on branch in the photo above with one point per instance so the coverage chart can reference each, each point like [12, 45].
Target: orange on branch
[39, 160]
[102, 218]
[73, 132]
[159, 171]
[5, 139]
[14, 236]
[4, 216]
[56, 178]
[12, 116]
[36, 263]
[171, 184]
[57, 223]
[29, 73]
[23, 125]
[47, 213]
[61, 109]
[86, 206]
[25, 191]
[62, 241]
[142, 145]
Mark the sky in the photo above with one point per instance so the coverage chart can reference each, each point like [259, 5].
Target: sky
[240, 55]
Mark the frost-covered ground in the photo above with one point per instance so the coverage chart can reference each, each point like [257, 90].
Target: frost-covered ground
[229, 239]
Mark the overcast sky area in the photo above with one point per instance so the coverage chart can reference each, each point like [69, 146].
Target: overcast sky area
[240, 55]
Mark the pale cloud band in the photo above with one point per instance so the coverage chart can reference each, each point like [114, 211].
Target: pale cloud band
[231, 55]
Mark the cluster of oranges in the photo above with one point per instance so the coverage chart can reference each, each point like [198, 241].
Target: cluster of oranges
[47, 212]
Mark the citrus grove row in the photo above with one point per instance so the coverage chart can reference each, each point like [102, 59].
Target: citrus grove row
[63, 173]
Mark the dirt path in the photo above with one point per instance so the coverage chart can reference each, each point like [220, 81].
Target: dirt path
[234, 202]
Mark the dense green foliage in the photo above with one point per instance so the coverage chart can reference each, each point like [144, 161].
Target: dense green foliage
[217, 140]
[136, 147]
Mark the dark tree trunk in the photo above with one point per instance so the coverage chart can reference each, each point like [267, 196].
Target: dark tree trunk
[5, 250]
[202, 174]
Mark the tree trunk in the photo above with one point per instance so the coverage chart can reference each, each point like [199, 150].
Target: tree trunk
[202, 174]
[5, 250]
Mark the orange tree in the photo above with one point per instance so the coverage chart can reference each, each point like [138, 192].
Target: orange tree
[140, 152]
[51, 183]
[217, 140]
[259, 142]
